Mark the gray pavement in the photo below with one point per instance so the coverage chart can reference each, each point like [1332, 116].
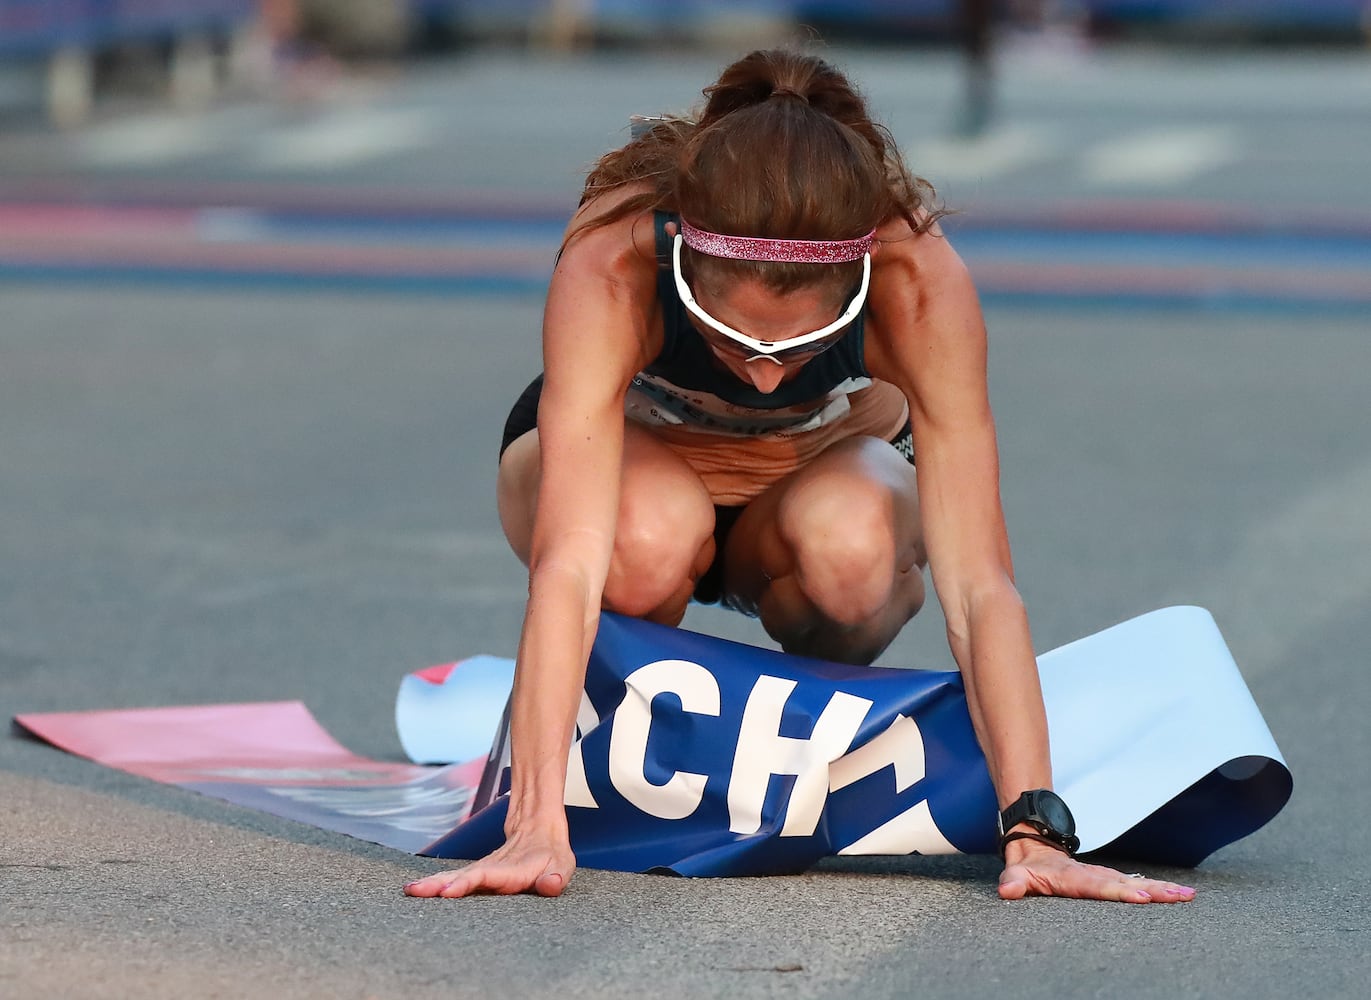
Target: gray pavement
[250, 494]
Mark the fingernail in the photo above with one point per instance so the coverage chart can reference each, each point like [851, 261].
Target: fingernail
[1180, 890]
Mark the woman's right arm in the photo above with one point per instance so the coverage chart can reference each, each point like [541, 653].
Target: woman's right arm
[594, 334]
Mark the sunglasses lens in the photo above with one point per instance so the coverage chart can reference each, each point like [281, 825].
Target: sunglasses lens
[736, 350]
[811, 349]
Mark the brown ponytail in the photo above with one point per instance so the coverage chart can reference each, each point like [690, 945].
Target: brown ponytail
[784, 147]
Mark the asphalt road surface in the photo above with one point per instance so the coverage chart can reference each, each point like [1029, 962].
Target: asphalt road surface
[216, 487]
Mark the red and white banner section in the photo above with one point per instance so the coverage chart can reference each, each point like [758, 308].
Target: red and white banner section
[271, 756]
[705, 757]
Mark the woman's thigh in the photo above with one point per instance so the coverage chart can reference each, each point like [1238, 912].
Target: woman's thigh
[664, 534]
[832, 551]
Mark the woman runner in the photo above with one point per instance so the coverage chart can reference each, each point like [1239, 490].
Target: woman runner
[753, 329]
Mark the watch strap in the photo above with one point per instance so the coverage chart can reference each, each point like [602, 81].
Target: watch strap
[1015, 813]
[1025, 835]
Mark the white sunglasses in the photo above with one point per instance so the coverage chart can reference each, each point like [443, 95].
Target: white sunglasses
[804, 345]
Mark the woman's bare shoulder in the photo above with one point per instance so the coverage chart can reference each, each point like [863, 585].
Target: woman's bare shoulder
[623, 246]
[604, 293]
[907, 251]
[917, 275]
[922, 299]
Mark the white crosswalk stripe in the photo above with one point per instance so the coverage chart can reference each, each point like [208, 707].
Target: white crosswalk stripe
[344, 139]
[164, 138]
[1160, 158]
[997, 153]
[1157, 159]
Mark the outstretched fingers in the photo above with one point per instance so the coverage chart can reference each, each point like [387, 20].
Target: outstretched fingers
[436, 885]
[543, 874]
[1062, 876]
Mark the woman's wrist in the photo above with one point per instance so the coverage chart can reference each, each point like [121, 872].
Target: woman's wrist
[1022, 843]
[531, 817]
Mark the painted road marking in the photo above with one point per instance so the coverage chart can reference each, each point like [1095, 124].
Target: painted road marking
[1160, 158]
[998, 152]
[1301, 568]
[345, 139]
[163, 138]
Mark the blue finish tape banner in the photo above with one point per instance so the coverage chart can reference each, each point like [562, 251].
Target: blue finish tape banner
[705, 757]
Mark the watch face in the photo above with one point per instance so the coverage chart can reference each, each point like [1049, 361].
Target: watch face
[1054, 811]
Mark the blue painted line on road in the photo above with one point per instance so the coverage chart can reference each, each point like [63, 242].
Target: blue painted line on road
[1176, 302]
[447, 285]
[510, 285]
[1285, 249]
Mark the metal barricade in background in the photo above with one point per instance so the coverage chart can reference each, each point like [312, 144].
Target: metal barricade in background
[564, 24]
[1253, 19]
[67, 35]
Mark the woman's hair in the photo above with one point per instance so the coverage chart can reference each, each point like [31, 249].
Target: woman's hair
[783, 148]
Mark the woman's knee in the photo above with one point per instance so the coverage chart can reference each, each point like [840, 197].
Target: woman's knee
[850, 553]
[660, 543]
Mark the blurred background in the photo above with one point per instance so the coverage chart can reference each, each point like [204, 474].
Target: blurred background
[1236, 128]
[271, 274]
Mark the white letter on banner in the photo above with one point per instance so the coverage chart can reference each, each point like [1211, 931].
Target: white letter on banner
[902, 745]
[699, 694]
[762, 752]
[577, 787]
[911, 832]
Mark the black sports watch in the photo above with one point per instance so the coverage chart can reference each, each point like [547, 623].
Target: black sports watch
[1045, 811]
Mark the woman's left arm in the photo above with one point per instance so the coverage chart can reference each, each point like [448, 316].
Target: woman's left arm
[926, 335]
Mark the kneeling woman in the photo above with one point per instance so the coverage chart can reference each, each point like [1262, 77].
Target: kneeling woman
[754, 326]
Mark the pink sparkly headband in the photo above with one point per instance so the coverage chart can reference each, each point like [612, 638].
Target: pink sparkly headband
[789, 251]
